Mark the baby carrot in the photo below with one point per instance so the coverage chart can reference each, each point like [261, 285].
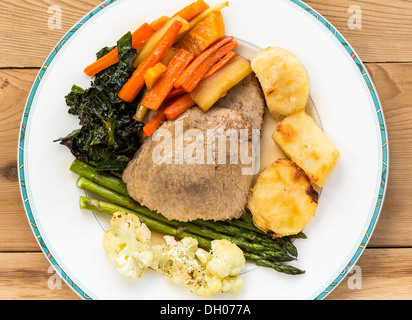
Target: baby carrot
[200, 59]
[157, 95]
[103, 63]
[179, 106]
[136, 82]
[141, 35]
[159, 23]
[156, 121]
[193, 10]
[219, 65]
[139, 38]
[203, 68]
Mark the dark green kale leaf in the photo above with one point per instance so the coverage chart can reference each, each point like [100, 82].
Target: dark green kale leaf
[109, 136]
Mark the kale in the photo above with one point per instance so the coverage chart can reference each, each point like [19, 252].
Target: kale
[108, 136]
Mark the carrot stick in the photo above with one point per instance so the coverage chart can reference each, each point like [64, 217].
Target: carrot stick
[200, 59]
[175, 93]
[164, 85]
[141, 35]
[136, 82]
[178, 106]
[202, 70]
[139, 38]
[159, 23]
[103, 63]
[156, 121]
[219, 65]
[193, 10]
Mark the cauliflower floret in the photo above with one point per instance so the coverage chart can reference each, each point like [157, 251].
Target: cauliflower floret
[233, 285]
[128, 245]
[227, 259]
[175, 259]
[183, 262]
[203, 284]
[203, 256]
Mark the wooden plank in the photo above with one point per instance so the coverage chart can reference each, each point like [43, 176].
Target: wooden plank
[16, 234]
[27, 276]
[386, 33]
[393, 82]
[386, 27]
[25, 36]
[393, 230]
[385, 274]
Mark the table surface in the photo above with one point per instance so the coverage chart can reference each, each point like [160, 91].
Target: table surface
[384, 43]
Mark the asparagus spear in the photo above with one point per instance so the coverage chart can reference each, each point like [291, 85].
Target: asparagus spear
[274, 265]
[108, 208]
[118, 199]
[285, 242]
[242, 233]
[89, 172]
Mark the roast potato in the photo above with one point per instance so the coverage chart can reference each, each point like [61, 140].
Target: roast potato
[284, 80]
[304, 142]
[282, 199]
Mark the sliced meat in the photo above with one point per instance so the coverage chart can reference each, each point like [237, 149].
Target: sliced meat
[170, 183]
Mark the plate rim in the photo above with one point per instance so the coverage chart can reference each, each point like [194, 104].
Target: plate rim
[344, 44]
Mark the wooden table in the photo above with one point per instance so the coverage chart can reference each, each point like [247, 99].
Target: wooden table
[384, 43]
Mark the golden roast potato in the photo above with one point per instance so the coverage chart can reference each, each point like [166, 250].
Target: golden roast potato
[305, 143]
[282, 199]
[284, 80]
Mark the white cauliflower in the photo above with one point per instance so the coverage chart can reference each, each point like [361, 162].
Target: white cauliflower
[175, 259]
[128, 245]
[227, 259]
[183, 262]
[232, 285]
[202, 272]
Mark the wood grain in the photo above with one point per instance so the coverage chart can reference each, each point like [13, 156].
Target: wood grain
[385, 36]
[393, 82]
[28, 276]
[385, 274]
[16, 234]
[386, 32]
[25, 38]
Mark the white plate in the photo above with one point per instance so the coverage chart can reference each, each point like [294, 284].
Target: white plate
[347, 105]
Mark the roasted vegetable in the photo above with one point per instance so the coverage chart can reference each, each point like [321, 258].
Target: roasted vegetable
[306, 144]
[153, 41]
[284, 81]
[204, 34]
[108, 136]
[217, 8]
[156, 95]
[282, 199]
[193, 10]
[199, 60]
[153, 74]
[127, 245]
[211, 89]
[139, 38]
[133, 86]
